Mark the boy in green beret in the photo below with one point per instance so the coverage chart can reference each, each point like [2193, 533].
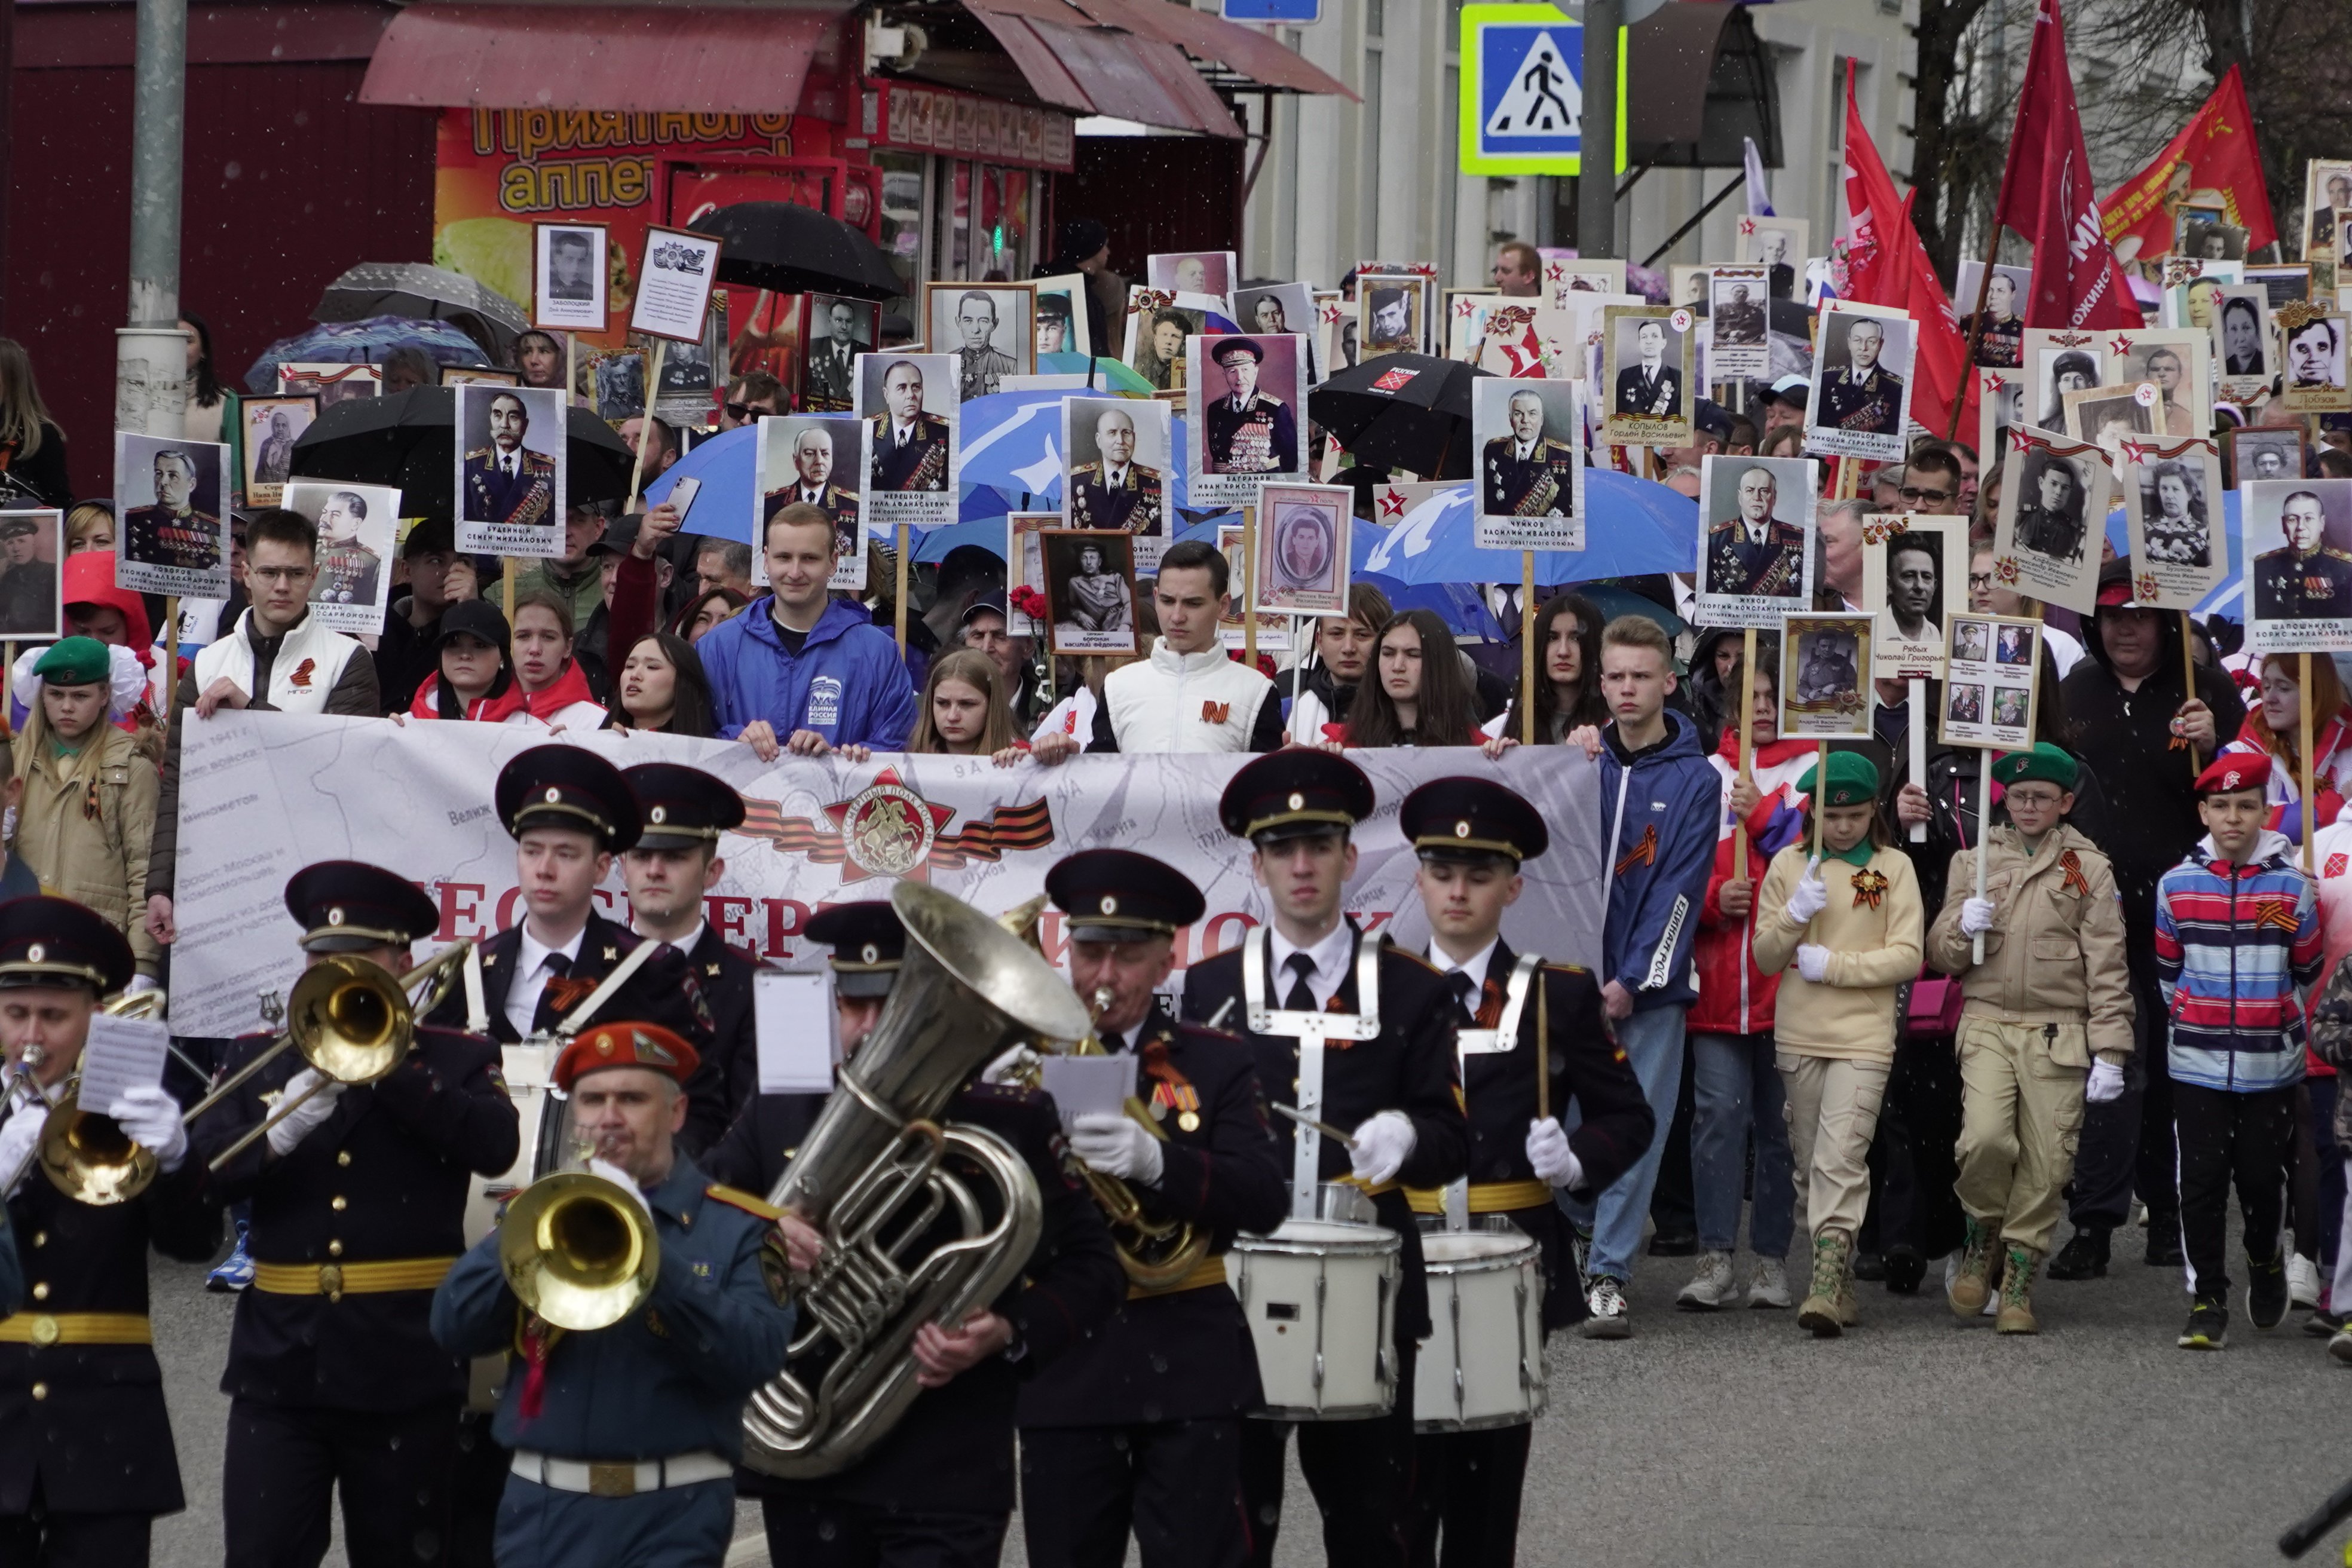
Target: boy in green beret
[2052, 993]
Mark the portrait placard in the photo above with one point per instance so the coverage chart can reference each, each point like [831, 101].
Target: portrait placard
[2208, 233]
[1465, 314]
[1391, 314]
[1243, 399]
[2180, 363]
[1302, 564]
[1157, 323]
[1396, 501]
[2252, 452]
[1755, 519]
[511, 471]
[2001, 408]
[1210, 272]
[2326, 186]
[572, 275]
[913, 451]
[1647, 353]
[271, 426]
[1025, 568]
[674, 286]
[2053, 502]
[1062, 327]
[2192, 294]
[985, 329]
[1528, 435]
[2298, 550]
[2241, 342]
[2282, 283]
[1565, 275]
[1913, 575]
[1090, 586]
[2173, 518]
[1687, 283]
[1860, 391]
[1777, 244]
[1335, 334]
[172, 498]
[2058, 362]
[2001, 341]
[839, 329]
[817, 459]
[32, 597]
[357, 527]
[1738, 346]
[1993, 673]
[333, 384]
[1232, 628]
[2311, 341]
[478, 376]
[1115, 469]
[1822, 694]
[2107, 417]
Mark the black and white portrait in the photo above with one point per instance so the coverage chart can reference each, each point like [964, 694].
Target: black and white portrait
[1192, 271]
[1647, 367]
[839, 330]
[2174, 522]
[31, 544]
[985, 329]
[1777, 244]
[2109, 416]
[172, 498]
[2240, 342]
[2263, 452]
[1155, 340]
[2313, 346]
[1389, 314]
[1911, 570]
[272, 425]
[2326, 186]
[1824, 669]
[573, 277]
[2054, 504]
[511, 469]
[1090, 586]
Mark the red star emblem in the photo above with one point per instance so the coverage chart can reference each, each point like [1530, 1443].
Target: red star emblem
[1746, 228]
[1462, 308]
[2119, 344]
[1554, 271]
[2019, 441]
[1329, 314]
[1392, 503]
[891, 826]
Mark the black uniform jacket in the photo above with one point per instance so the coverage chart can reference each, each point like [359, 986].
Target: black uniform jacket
[1182, 1354]
[98, 1438]
[952, 1451]
[385, 1177]
[1408, 1066]
[729, 1073]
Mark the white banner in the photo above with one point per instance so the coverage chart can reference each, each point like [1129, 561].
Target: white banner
[264, 794]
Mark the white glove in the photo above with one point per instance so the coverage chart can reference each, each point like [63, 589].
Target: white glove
[1015, 1066]
[1116, 1145]
[2106, 1082]
[622, 1180]
[1382, 1144]
[1814, 963]
[150, 1117]
[307, 1117]
[139, 985]
[1556, 1163]
[1811, 897]
[18, 1136]
[1976, 917]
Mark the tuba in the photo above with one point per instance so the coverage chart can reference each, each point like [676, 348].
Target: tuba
[870, 1177]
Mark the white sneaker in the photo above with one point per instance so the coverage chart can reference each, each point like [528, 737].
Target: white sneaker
[2301, 1281]
[1606, 1303]
[1769, 1285]
[1711, 1288]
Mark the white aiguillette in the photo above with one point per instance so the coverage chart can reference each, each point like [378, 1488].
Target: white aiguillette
[121, 1054]
[1311, 1030]
[798, 1031]
[1088, 1085]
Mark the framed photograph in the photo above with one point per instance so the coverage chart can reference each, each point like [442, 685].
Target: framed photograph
[271, 426]
[2001, 342]
[1391, 314]
[1738, 346]
[1335, 333]
[839, 329]
[1755, 520]
[1687, 283]
[1233, 627]
[1090, 588]
[357, 525]
[2193, 294]
[674, 286]
[1024, 558]
[2326, 186]
[1994, 667]
[1116, 469]
[1518, 338]
[2298, 547]
[2206, 234]
[2282, 283]
[1823, 694]
[478, 376]
[1647, 353]
[172, 498]
[2107, 417]
[1528, 435]
[2180, 363]
[510, 474]
[2173, 517]
[2058, 362]
[2252, 452]
[691, 382]
[912, 452]
[616, 378]
[985, 329]
[1157, 323]
[2001, 408]
[32, 597]
[572, 273]
[1861, 394]
[1302, 564]
[1777, 244]
[1244, 402]
[817, 459]
[331, 384]
[2049, 532]
[2241, 342]
[1584, 275]
[1193, 272]
[2311, 344]
[1914, 573]
[1061, 316]
[1271, 310]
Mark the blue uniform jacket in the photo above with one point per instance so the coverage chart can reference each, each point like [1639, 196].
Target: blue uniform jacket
[1658, 814]
[673, 1378]
[847, 682]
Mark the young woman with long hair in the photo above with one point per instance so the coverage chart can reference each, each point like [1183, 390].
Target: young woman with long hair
[470, 677]
[962, 714]
[661, 688]
[711, 607]
[555, 689]
[1342, 658]
[1567, 676]
[32, 448]
[1417, 692]
[2275, 726]
[209, 402]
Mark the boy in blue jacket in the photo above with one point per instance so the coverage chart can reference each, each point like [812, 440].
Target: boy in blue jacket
[800, 671]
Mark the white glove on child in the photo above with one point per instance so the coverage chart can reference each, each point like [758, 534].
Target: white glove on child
[1814, 963]
[307, 1117]
[1382, 1144]
[151, 1118]
[1116, 1145]
[1556, 1163]
[2106, 1083]
[1976, 917]
[1811, 897]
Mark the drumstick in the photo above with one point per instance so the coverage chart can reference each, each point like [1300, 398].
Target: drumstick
[1223, 1008]
[1543, 1049]
[1309, 1123]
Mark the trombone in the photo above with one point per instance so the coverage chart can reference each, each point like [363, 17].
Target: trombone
[84, 1153]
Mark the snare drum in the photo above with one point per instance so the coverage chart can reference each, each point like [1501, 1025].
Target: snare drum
[1483, 1362]
[1320, 1299]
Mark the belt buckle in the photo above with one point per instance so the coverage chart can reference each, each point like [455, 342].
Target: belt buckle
[45, 1331]
[612, 1478]
[331, 1282]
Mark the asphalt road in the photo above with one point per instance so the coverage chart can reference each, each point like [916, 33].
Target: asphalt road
[1735, 1439]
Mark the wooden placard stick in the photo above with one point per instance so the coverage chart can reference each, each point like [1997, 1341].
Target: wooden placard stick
[1249, 620]
[506, 586]
[2188, 684]
[1984, 815]
[646, 424]
[1746, 749]
[171, 655]
[1528, 648]
[1916, 724]
[1820, 791]
[898, 591]
[571, 369]
[2303, 748]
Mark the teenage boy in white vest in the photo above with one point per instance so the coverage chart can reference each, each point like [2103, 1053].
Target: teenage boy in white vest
[277, 660]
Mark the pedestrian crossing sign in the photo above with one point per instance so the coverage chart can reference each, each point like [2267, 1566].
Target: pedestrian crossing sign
[1522, 110]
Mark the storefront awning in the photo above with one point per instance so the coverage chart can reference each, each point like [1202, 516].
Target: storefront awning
[617, 59]
[1247, 59]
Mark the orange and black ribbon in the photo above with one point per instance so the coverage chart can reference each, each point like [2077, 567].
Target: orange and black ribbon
[2075, 882]
[1869, 887]
[1645, 853]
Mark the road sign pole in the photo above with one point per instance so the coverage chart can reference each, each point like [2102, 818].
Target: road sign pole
[1596, 186]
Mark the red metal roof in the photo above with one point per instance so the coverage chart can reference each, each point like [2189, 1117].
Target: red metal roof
[1256, 56]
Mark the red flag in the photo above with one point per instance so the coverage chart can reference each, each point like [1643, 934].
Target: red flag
[2046, 195]
[2214, 152]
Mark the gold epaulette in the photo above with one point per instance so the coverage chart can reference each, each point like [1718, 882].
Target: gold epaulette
[735, 1198]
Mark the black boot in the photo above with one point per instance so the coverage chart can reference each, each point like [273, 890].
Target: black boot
[1870, 1265]
[2083, 1258]
[2164, 1241]
[1905, 1268]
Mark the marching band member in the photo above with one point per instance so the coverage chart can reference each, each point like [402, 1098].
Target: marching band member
[358, 1200]
[86, 1455]
[937, 1491]
[1472, 835]
[1396, 1089]
[1139, 1424]
[625, 1438]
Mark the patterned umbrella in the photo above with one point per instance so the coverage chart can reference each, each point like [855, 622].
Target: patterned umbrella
[363, 342]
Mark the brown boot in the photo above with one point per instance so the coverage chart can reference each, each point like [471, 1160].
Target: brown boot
[1832, 1260]
[2018, 1265]
[1973, 1285]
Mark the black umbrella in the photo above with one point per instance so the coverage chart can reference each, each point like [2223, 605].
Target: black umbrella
[425, 293]
[409, 439]
[789, 249]
[1401, 411]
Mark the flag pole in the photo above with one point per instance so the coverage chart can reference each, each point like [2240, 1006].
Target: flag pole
[1975, 329]
[1747, 747]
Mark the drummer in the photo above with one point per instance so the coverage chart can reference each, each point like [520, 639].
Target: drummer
[1387, 1076]
[1472, 835]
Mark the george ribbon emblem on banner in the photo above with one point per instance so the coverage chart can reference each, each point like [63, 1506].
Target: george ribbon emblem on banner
[888, 830]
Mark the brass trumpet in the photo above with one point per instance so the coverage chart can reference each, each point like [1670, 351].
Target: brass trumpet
[578, 1251]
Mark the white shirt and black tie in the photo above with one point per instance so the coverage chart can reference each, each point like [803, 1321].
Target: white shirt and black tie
[536, 964]
[1467, 979]
[1308, 976]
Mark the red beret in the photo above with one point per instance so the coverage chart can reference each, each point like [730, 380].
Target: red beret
[2235, 770]
[625, 1046]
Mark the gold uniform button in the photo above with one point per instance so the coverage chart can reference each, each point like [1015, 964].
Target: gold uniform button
[343, 1156]
[334, 1249]
[340, 1203]
[41, 1291]
[40, 1391]
[46, 1331]
[40, 1238]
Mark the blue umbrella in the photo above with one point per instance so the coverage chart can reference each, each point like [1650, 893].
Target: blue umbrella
[363, 342]
[1458, 605]
[1632, 527]
[1108, 373]
[2226, 601]
[722, 508]
[1012, 442]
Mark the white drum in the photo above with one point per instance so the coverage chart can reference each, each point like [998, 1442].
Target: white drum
[1482, 1364]
[525, 1070]
[1320, 1299]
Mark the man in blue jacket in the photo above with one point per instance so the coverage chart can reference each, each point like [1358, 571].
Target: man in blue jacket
[800, 671]
[1660, 800]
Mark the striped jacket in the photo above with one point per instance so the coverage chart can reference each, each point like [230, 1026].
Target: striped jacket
[2236, 946]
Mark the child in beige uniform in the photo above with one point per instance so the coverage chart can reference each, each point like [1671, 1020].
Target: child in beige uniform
[1848, 929]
